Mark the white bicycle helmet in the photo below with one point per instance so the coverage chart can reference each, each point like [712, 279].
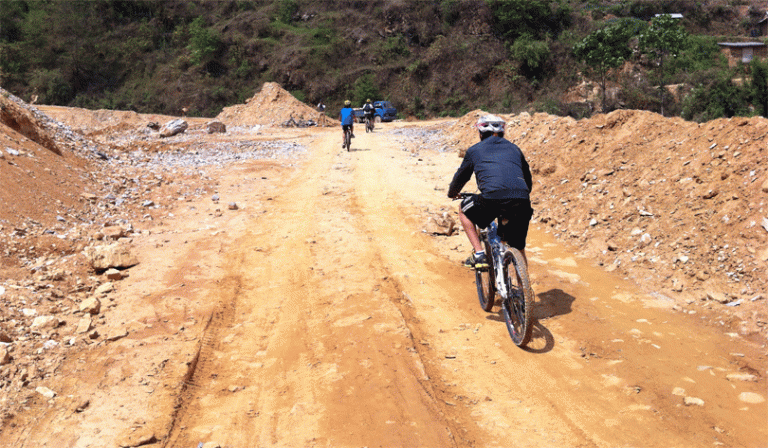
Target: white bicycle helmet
[490, 123]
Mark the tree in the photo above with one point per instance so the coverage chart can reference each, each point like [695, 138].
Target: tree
[759, 86]
[664, 37]
[607, 48]
[514, 18]
[531, 54]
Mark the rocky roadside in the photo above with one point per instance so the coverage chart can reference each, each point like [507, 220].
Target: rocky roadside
[56, 279]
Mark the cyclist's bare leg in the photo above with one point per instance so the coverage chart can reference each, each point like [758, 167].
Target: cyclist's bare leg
[471, 231]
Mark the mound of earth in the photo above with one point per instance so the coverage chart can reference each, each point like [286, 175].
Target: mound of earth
[680, 205]
[272, 106]
[96, 122]
[40, 178]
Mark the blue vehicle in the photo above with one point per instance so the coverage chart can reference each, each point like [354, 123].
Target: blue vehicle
[385, 112]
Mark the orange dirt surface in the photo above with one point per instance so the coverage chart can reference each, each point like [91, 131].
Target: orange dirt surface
[287, 294]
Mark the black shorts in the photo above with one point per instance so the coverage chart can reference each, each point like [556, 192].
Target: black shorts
[344, 127]
[515, 216]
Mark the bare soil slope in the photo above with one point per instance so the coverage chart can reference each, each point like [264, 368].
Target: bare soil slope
[272, 106]
[287, 287]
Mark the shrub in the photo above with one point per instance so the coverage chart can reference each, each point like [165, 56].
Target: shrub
[285, 10]
[758, 87]
[51, 86]
[531, 54]
[363, 89]
[203, 42]
[716, 97]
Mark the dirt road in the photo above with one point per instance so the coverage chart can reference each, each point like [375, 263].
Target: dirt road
[320, 314]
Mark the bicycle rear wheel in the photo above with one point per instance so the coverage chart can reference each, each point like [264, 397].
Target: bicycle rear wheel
[348, 140]
[486, 284]
[517, 308]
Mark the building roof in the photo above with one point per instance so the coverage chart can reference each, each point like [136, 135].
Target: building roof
[674, 15]
[741, 44]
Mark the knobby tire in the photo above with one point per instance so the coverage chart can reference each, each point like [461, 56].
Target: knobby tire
[348, 140]
[518, 307]
[484, 279]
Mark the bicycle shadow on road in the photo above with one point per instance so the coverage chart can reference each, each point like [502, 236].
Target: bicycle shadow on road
[353, 149]
[554, 302]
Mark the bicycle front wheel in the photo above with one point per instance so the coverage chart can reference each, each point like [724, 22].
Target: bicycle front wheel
[348, 140]
[486, 284]
[517, 308]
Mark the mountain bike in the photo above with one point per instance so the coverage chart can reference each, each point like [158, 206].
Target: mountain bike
[347, 138]
[368, 125]
[507, 277]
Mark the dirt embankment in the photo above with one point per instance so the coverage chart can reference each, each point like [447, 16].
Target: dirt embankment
[272, 106]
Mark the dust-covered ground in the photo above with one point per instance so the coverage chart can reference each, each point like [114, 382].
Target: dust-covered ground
[273, 290]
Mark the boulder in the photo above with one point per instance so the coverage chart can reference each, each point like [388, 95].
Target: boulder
[116, 255]
[84, 325]
[5, 356]
[113, 274]
[440, 224]
[90, 305]
[113, 232]
[216, 127]
[43, 322]
[173, 127]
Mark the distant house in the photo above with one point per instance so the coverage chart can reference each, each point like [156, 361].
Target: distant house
[762, 27]
[743, 52]
[673, 15]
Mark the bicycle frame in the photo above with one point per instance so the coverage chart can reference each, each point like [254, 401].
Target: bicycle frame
[498, 248]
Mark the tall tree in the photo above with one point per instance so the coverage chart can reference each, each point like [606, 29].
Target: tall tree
[607, 48]
[759, 86]
[663, 38]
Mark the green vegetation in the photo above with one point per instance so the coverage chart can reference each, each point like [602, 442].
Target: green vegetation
[440, 58]
[607, 48]
[664, 37]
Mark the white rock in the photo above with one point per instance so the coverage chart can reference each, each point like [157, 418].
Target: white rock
[741, 377]
[90, 305]
[718, 297]
[106, 288]
[84, 325]
[44, 391]
[693, 401]
[114, 255]
[751, 397]
[42, 322]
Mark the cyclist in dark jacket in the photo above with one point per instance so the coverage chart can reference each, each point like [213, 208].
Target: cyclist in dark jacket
[368, 109]
[504, 180]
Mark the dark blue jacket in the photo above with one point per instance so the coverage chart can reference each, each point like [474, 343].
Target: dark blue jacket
[500, 169]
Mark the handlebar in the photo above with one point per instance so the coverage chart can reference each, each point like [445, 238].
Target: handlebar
[462, 195]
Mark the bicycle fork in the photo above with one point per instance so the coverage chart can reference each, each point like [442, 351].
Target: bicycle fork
[498, 260]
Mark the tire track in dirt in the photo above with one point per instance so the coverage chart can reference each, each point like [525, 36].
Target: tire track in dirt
[316, 353]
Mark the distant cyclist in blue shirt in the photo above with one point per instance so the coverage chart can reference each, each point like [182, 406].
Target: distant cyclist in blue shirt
[347, 117]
